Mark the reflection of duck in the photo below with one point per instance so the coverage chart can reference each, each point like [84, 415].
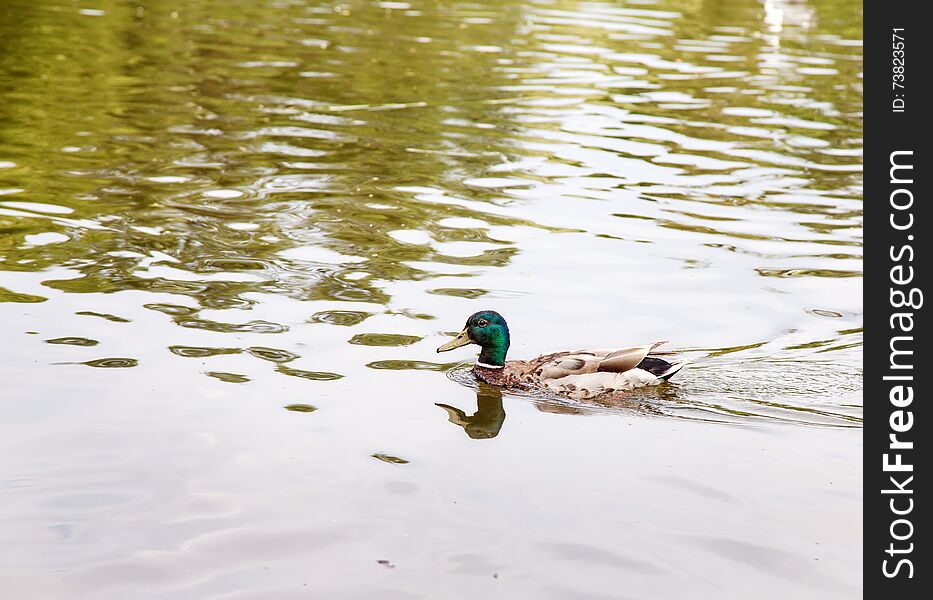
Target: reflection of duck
[581, 374]
[486, 422]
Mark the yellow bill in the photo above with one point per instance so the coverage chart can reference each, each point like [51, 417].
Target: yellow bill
[461, 340]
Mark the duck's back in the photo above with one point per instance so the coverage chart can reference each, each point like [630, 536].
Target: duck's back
[585, 374]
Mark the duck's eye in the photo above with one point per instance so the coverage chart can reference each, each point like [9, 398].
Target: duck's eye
[482, 323]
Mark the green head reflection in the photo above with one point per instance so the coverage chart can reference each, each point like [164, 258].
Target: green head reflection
[486, 422]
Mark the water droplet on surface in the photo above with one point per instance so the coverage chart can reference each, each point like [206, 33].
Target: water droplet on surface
[345, 318]
[201, 352]
[72, 341]
[388, 458]
[384, 339]
[228, 377]
[112, 363]
[310, 375]
[272, 354]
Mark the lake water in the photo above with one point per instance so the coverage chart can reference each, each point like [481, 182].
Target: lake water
[232, 235]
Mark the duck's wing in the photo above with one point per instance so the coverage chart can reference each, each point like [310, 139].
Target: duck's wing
[586, 374]
[626, 359]
[560, 364]
[581, 362]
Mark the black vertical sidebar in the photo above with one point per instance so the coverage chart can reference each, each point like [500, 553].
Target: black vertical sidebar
[897, 53]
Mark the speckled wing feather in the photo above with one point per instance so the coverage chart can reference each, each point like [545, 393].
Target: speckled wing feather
[585, 373]
[580, 362]
[625, 359]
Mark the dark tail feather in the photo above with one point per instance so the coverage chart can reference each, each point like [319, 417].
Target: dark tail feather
[660, 367]
[675, 368]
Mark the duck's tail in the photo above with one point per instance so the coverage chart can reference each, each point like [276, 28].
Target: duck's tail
[672, 370]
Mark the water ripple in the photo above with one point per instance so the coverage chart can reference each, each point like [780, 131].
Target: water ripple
[302, 198]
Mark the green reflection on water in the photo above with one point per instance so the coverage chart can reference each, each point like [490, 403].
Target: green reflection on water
[225, 153]
[488, 418]
[302, 408]
[272, 202]
[388, 458]
[11, 296]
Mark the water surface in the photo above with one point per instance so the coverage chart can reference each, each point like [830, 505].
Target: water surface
[233, 234]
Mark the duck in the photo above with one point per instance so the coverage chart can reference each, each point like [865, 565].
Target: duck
[579, 374]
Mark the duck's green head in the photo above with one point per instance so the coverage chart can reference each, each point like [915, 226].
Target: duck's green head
[489, 330]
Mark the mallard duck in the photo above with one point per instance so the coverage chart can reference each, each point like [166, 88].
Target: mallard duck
[580, 375]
